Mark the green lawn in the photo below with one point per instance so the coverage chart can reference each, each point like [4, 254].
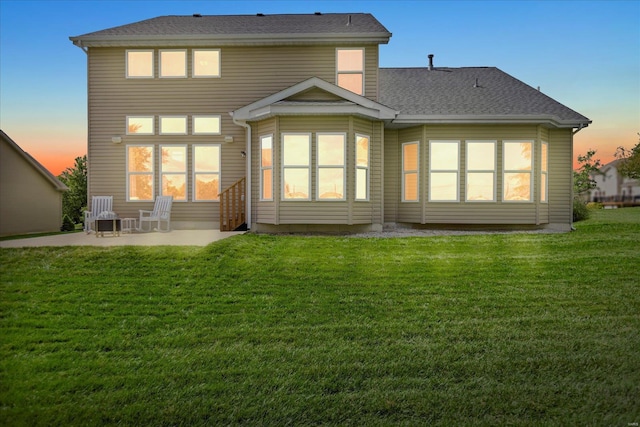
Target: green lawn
[523, 329]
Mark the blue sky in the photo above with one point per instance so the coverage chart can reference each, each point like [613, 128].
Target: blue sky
[585, 54]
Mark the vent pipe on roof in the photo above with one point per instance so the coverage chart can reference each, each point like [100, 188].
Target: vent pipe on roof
[197, 15]
[430, 61]
[260, 14]
[349, 21]
[318, 13]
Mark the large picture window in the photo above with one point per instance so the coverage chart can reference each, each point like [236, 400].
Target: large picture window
[350, 69]
[518, 167]
[330, 161]
[139, 63]
[173, 170]
[266, 167]
[410, 174]
[544, 173]
[362, 167]
[173, 63]
[481, 171]
[444, 166]
[206, 63]
[206, 173]
[296, 166]
[140, 172]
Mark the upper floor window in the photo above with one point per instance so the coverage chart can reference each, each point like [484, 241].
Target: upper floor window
[206, 63]
[206, 125]
[140, 125]
[176, 125]
[140, 172]
[206, 173]
[518, 167]
[544, 173]
[173, 164]
[362, 167]
[139, 63]
[350, 69]
[444, 168]
[173, 63]
[410, 172]
[331, 166]
[481, 171]
[296, 166]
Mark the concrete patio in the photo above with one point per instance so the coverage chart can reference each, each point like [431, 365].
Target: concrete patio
[172, 238]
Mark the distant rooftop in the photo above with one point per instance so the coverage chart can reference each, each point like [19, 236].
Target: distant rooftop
[241, 29]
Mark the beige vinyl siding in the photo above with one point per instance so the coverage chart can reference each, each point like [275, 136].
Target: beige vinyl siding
[462, 212]
[560, 176]
[247, 74]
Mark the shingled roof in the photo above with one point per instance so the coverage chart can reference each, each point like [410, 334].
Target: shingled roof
[469, 94]
[241, 29]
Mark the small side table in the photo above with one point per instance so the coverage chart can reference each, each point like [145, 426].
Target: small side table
[108, 226]
[129, 225]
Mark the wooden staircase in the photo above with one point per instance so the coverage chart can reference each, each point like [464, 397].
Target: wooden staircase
[233, 207]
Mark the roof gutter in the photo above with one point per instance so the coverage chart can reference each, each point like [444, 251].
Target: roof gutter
[248, 166]
[580, 127]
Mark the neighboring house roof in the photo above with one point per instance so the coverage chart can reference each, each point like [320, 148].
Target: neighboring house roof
[349, 103]
[469, 95]
[55, 182]
[240, 29]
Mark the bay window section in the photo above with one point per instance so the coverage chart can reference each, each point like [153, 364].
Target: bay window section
[176, 125]
[140, 125]
[517, 171]
[544, 173]
[139, 63]
[206, 63]
[173, 63]
[444, 166]
[296, 166]
[481, 171]
[206, 173]
[330, 166]
[140, 173]
[350, 69]
[410, 172]
[362, 167]
[173, 171]
[206, 125]
[266, 168]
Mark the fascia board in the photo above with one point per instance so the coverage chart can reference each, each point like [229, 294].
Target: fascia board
[311, 110]
[490, 119]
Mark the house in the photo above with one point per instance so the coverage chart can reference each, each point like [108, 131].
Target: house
[614, 189]
[30, 196]
[287, 122]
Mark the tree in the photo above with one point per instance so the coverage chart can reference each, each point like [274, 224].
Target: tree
[75, 200]
[583, 182]
[630, 161]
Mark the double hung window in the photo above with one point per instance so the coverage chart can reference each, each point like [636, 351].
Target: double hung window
[544, 173]
[266, 167]
[481, 171]
[517, 171]
[350, 69]
[140, 172]
[362, 167]
[410, 172]
[444, 166]
[206, 173]
[331, 166]
[296, 166]
[173, 170]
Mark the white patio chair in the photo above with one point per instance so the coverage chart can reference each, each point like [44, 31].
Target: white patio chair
[161, 212]
[99, 204]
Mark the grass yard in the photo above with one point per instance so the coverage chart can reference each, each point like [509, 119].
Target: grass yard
[521, 329]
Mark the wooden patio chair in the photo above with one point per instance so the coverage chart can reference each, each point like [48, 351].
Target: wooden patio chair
[99, 204]
[161, 213]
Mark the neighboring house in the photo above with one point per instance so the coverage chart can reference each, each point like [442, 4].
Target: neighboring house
[30, 196]
[328, 141]
[612, 187]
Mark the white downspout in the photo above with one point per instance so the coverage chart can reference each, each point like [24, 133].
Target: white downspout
[248, 167]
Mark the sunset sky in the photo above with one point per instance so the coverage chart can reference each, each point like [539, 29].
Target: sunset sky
[584, 54]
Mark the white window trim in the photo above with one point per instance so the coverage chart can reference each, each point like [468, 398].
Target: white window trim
[194, 173]
[185, 173]
[160, 64]
[416, 171]
[283, 167]
[505, 171]
[208, 76]
[343, 167]
[494, 170]
[153, 126]
[160, 132]
[364, 61]
[205, 116]
[457, 171]
[367, 168]
[152, 173]
[126, 65]
[544, 173]
[262, 168]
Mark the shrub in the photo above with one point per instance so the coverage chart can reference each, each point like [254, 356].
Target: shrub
[580, 211]
[595, 206]
[67, 224]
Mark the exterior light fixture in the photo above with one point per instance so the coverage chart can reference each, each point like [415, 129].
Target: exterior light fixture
[116, 139]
